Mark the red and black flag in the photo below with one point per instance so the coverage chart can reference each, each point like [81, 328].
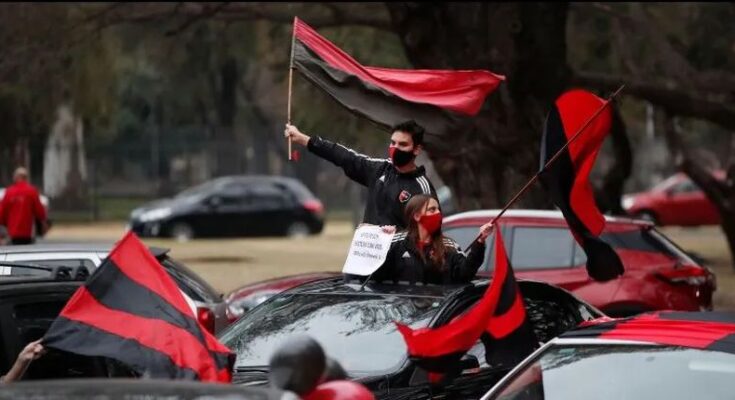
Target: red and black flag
[439, 100]
[131, 310]
[567, 178]
[499, 318]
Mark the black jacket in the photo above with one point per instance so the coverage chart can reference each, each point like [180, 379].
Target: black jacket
[388, 189]
[404, 263]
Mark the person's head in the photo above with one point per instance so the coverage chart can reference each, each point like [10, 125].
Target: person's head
[20, 174]
[406, 142]
[297, 365]
[424, 211]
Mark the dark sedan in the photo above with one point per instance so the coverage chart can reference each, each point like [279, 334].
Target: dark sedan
[233, 206]
[355, 326]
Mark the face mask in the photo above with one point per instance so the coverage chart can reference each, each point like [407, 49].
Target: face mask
[431, 222]
[400, 157]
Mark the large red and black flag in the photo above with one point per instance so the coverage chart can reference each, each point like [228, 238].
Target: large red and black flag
[439, 100]
[131, 310]
[499, 318]
[567, 178]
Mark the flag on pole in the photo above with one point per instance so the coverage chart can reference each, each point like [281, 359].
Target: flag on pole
[567, 179]
[132, 311]
[499, 318]
[439, 100]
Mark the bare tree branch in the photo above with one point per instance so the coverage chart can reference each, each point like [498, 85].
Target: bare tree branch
[676, 100]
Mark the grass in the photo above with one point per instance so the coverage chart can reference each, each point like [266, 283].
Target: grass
[228, 264]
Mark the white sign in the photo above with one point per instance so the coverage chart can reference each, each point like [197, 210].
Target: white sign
[368, 251]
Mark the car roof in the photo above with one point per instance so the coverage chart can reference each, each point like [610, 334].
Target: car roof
[532, 214]
[340, 285]
[700, 330]
[98, 247]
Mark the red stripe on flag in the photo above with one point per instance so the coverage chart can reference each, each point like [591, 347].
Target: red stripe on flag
[460, 91]
[649, 328]
[501, 326]
[575, 109]
[185, 350]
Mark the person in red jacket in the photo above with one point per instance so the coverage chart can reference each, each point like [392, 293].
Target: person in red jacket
[20, 208]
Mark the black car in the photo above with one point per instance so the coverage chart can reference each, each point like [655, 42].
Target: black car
[355, 326]
[233, 206]
[126, 389]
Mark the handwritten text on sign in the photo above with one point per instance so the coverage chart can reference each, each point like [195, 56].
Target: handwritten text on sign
[369, 248]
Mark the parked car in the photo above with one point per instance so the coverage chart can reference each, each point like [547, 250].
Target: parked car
[210, 306]
[673, 356]
[355, 326]
[675, 201]
[658, 274]
[125, 389]
[233, 206]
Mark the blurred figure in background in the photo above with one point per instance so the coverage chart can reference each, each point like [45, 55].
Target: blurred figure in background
[20, 208]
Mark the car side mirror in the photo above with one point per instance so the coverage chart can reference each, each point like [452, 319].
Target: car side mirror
[469, 364]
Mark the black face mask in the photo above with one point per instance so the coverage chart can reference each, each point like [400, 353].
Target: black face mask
[400, 157]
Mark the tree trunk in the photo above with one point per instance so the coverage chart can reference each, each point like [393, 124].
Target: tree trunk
[487, 164]
[610, 194]
[226, 144]
[721, 193]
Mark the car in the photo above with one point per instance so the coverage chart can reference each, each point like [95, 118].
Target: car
[666, 355]
[675, 201]
[210, 306]
[658, 274]
[244, 298]
[124, 389]
[354, 323]
[233, 206]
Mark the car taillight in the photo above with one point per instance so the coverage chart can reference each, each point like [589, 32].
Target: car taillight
[314, 206]
[687, 274]
[205, 316]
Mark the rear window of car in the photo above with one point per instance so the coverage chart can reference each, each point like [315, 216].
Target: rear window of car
[537, 248]
[189, 282]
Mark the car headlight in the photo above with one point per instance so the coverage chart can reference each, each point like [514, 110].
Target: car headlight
[627, 203]
[155, 214]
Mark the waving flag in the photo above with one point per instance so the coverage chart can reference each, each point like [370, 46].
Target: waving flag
[132, 311]
[436, 99]
[499, 318]
[567, 179]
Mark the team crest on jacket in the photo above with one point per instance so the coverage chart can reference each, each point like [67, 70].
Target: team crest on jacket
[404, 196]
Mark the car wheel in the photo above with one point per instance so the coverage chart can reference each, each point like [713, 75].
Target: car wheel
[647, 216]
[298, 230]
[182, 232]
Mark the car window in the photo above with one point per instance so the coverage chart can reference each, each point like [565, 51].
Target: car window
[189, 282]
[464, 235]
[686, 186]
[267, 196]
[607, 372]
[356, 330]
[535, 247]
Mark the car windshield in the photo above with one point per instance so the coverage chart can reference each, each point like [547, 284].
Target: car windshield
[356, 330]
[631, 372]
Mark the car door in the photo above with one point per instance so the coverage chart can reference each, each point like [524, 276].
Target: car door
[687, 205]
[268, 211]
[229, 210]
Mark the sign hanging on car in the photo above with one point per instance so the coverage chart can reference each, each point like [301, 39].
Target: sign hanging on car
[368, 251]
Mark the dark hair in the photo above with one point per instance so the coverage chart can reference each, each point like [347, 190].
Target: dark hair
[411, 127]
[417, 205]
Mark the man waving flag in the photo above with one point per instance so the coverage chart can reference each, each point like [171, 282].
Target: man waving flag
[567, 178]
[436, 99]
[132, 311]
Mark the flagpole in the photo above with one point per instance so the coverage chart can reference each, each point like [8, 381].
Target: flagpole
[533, 180]
[290, 84]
